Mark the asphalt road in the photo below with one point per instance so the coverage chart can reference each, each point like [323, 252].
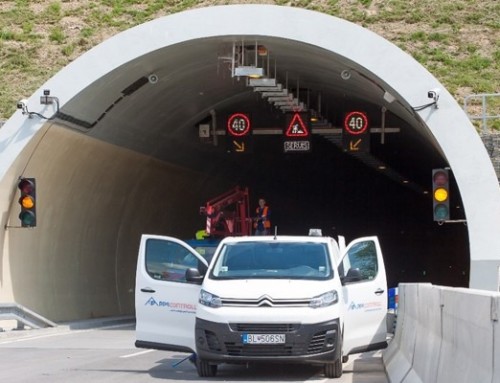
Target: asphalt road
[107, 354]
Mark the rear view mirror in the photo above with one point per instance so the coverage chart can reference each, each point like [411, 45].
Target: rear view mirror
[353, 275]
[194, 276]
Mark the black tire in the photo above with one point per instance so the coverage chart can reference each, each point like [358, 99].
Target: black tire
[205, 369]
[334, 370]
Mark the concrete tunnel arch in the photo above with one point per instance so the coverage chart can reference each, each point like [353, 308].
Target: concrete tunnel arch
[50, 268]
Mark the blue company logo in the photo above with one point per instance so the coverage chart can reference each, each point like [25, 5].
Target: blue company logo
[367, 306]
[174, 306]
[355, 306]
[151, 302]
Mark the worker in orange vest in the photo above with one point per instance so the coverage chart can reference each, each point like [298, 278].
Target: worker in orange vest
[262, 223]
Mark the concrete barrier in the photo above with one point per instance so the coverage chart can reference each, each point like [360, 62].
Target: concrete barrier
[468, 334]
[428, 336]
[445, 335]
[398, 358]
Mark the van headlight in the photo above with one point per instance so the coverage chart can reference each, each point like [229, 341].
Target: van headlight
[210, 300]
[324, 300]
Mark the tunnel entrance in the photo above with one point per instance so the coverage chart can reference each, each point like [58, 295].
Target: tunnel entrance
[331, 190]
[126, 145]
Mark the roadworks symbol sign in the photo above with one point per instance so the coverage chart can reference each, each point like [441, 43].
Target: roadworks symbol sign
[297, 127]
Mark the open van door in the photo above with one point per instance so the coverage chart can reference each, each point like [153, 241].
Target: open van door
[363, 276]
[165, 303]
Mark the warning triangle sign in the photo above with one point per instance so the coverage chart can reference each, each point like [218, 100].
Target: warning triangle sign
[297, 127]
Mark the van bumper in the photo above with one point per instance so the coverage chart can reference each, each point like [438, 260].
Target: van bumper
[317, 343]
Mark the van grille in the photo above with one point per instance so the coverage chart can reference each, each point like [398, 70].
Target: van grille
[317, 343]
[265, 301]
[264, 328]
[259, 350]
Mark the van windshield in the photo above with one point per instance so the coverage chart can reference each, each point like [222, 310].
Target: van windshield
[287, 260]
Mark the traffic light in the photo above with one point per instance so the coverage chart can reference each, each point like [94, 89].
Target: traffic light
[27, 186]
[441, 194]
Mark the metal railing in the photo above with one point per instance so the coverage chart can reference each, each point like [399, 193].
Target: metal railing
[489, 104]
[23, 316]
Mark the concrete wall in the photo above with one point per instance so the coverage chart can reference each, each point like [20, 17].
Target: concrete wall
[94, 202]
[444, 335]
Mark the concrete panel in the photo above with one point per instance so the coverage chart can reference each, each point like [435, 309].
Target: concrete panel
[468, 336]
[496, 341]
[428, 339]
[400, 364]
[395, 343]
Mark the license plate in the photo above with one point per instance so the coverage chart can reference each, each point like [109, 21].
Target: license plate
[263, 338]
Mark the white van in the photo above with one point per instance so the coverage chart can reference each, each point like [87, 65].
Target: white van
[286, 299]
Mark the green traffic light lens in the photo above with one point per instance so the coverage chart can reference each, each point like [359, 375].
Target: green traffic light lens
[27, 218]
[441, 212]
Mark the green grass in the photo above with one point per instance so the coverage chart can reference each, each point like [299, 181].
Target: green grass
[457, 40]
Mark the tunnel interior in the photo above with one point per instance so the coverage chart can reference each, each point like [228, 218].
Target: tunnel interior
[130, 148]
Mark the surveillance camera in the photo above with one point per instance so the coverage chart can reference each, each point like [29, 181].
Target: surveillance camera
[153, 79]
[434, 93]
[22, 104]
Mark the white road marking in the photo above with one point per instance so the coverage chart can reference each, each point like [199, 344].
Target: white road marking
[137, 354]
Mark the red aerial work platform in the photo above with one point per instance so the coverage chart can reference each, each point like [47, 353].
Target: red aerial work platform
[228, 214]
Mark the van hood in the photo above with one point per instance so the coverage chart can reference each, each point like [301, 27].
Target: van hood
[273, 288]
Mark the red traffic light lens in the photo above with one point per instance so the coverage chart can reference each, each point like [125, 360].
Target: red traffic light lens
[440, 178]
[26, 186]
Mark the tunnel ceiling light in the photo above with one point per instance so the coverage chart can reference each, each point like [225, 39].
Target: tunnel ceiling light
[249, 71]
[287, 102]
[284, 92]
[262, 82]
[294, 108]
[276, 88]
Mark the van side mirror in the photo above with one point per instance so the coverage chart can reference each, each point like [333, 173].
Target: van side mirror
[194, 276]
[353, 275]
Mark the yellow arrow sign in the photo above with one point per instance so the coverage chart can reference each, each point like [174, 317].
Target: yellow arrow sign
[239, 146]
[354, 145]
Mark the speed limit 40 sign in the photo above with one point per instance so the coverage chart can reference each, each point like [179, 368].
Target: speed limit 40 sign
[239, 137]
[356, 133]
[238, 125]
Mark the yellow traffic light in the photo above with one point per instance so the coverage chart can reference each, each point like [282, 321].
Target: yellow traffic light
[440, 195]
[27, 187]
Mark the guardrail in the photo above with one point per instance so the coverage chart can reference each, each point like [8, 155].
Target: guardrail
[445, 335]
[23, 316]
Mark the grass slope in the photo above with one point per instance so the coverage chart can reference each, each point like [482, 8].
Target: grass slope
[456, 40]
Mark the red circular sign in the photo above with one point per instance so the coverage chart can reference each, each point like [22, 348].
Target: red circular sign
[238, 125]
[356, 123]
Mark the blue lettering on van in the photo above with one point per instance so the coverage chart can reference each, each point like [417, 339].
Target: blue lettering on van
[368, 306]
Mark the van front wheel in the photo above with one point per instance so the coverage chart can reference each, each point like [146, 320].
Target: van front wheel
[205, 369]
[334, 370]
